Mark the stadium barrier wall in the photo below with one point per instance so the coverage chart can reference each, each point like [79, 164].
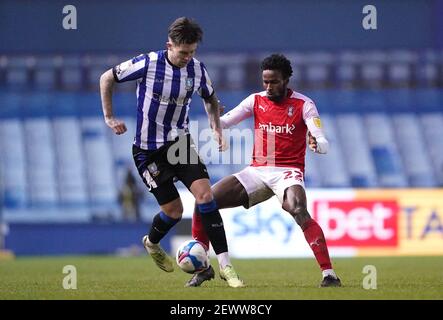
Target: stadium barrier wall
[356, 222]
[78, 238]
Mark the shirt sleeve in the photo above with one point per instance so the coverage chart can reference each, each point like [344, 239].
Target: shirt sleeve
[132, 69]
[313, 122]
[205, 90]
[241, 112]
[312, 119]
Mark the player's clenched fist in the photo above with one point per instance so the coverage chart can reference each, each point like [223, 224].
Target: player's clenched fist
[312, 142]
[116, 125]
[222, 145]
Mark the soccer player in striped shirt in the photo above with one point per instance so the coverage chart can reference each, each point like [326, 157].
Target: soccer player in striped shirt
[163, 148]
[282, 119]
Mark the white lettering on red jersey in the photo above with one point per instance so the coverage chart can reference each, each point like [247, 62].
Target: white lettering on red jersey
[280, 128]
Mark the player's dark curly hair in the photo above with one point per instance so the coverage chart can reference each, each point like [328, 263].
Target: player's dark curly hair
[185, 30]
[277, 62]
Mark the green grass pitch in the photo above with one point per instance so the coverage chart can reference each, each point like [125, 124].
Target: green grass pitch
[106, 277]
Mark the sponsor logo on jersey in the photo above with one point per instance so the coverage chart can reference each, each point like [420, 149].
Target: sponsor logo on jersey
[317, 122]
[122, 67]
[189, 84]
[262, 108]
[180, 101]
[269, 127]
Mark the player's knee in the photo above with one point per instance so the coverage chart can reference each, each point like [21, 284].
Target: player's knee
[174, 211]
[175, 214]
[204, 197]
[296, 209]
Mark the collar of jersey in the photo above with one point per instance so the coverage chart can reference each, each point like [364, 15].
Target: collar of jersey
[169, 61]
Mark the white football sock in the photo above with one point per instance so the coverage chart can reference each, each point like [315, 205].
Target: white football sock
[329, 272]
[223, 260]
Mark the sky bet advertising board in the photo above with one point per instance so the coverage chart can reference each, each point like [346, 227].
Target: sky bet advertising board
[355, 223]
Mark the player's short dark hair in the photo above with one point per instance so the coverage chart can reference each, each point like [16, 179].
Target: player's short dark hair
[277, 62]
[185, 30]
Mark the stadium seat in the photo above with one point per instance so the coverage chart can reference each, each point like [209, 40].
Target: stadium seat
[121, 148]
[70, 162]
[99, 164]
[13, 163]
[72, 77]
[409, 138]
[384, 150]
[45, 76]
[373, 69]
[427, 69]
[400, 68]
[331, 167]
[345, 69]
[357, 154]
[18, 71]
[312, 174]
[318, 69]
[40, 161]
[432, 128]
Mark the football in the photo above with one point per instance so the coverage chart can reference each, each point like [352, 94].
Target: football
[192, 256]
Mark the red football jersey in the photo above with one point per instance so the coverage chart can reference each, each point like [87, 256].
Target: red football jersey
[280, 128]
[280, 132]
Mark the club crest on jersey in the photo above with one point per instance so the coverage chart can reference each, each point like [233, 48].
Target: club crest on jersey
[290, 111]
[122, 67]
[152, 167]
[189, 84]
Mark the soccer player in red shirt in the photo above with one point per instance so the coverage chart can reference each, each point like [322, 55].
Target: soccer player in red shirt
[282, 120]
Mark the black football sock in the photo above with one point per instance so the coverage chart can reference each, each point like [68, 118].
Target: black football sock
[161, 224]
[213, 223]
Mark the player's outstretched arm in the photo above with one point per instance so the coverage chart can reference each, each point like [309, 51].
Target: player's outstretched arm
[212, 107]
[106, 89]
[241, 112]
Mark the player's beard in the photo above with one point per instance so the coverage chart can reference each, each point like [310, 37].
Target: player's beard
[277, 97]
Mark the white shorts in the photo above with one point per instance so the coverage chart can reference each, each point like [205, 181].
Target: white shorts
[261, 183]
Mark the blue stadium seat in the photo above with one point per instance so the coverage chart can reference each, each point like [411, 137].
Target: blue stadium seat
[72, 73]
[432, 128]
[400, 67]
[17, 72]
[13, 163]
[373, 68]
[99, 163]
[318, 69]
[312, 174]
[40, 161]
[70, 161]
[332, 166]
[358, 157]
[121, 148]
[411, 144]
[46, 72]
[427, 68]
[346, 75]
[384, 150]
